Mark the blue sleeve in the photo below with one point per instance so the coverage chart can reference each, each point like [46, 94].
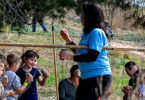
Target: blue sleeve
[96, 40]
[16, 83]
[37, 73]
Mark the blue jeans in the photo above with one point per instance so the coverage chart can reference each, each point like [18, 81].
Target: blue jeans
[38, 18]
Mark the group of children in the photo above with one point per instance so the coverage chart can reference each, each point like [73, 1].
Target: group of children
[20, 83]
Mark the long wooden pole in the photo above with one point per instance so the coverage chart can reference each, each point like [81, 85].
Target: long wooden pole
[55, 63]
[68, 46]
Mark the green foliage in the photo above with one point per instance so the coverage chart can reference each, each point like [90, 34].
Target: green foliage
[1, 12]
[131, 36]
[5, 28]
[18, 12]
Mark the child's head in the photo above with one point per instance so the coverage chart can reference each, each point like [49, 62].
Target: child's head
[13, 62]
[29, 58]
[2, 64]
[73, 69]
[132, 69]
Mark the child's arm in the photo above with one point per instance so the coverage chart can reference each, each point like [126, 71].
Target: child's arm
[25, 84]
[45, 75]
[42, 81]
[4, 93]
[21, 89]
[77, 78]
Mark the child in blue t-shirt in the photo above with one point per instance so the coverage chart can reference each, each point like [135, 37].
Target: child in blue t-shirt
[14, 82]
[29, 60]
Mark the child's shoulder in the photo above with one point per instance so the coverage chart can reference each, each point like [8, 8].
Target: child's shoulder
[19, 70]
[10, 73]
[34, 69]
[11, 76]
[63, 81]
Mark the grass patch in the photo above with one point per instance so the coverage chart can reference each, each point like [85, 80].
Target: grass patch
[130, 36]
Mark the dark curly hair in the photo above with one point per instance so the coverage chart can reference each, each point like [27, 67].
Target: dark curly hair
[29, 54]
[129, 65]
[72, 70]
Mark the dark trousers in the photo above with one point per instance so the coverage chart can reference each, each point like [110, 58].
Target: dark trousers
[93, 88]
[37, 16]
